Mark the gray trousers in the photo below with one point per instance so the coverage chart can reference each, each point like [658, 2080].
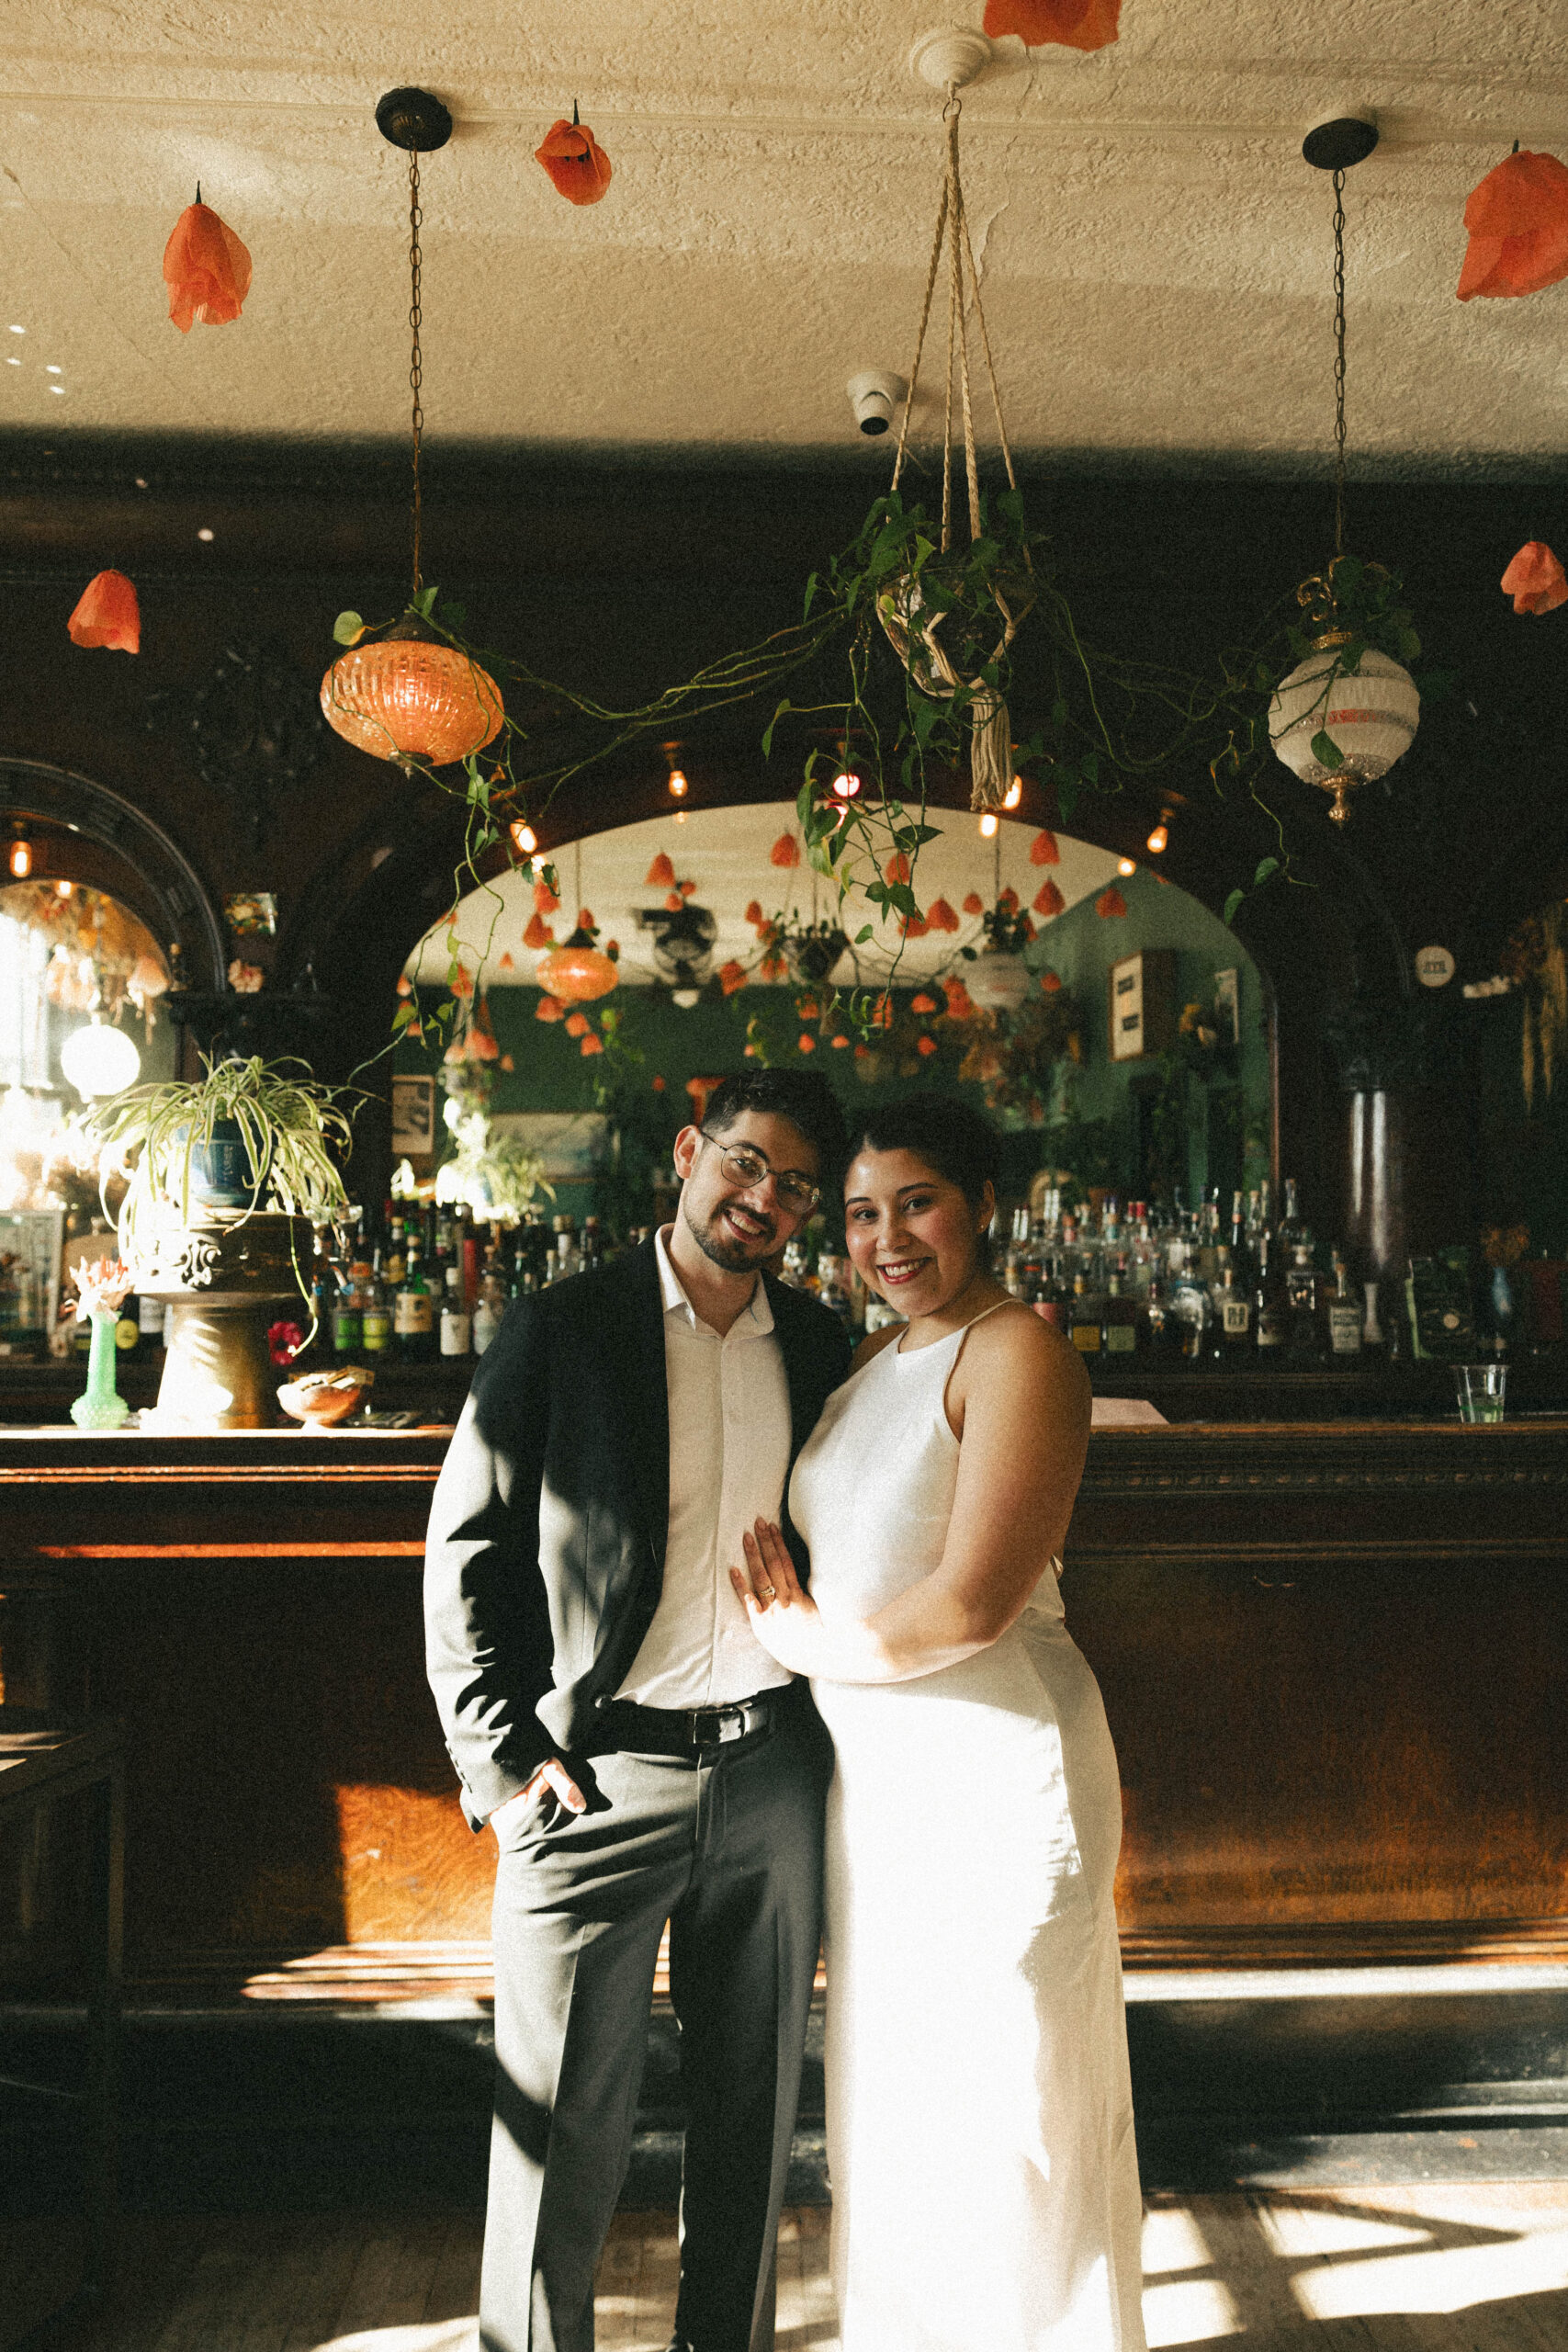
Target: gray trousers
[729, 1851]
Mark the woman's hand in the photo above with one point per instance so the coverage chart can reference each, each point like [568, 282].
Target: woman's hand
[784, 1617]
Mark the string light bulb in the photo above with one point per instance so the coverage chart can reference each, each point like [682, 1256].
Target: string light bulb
[846, 785]
[679, 787]
[1160, 839]
[988, 824]
[1014, 792]
[524, 839]
[1125, 865]
[62, 889]
[20, 860]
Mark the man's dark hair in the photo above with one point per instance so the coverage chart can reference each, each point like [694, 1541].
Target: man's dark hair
[802, 1096]
[954, 1140]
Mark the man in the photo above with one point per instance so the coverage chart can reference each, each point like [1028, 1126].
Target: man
[638, 1755]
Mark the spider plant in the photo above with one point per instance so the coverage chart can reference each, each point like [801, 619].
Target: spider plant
[288, 1126]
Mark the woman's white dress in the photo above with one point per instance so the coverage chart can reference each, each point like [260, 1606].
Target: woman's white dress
[979, 2110]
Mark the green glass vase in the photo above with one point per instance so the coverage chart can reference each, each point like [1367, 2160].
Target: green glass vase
[100, 1406]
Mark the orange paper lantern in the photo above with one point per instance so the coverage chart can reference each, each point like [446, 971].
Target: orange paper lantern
[108, 613]
[1048, 900]
[406, 699]
[577, 973]
[578, 166]
[1062, 24]
[1517, 219]
[1535, 580]
[205, 270]
[1045, 849]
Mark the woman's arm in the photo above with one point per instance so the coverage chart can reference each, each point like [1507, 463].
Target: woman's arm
[1020, 1398]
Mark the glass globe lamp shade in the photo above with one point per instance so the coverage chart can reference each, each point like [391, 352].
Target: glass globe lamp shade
[576, 974]
[996, 982]
[1371, 716]
[99, 1060]
[401, 699]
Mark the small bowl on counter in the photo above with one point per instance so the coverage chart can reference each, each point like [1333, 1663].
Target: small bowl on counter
[319, 1398]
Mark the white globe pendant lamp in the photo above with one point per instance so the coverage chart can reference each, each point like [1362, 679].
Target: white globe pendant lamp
[996, 981]
[99, 1060]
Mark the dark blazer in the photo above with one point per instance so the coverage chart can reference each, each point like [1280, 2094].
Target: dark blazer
[544, 1558]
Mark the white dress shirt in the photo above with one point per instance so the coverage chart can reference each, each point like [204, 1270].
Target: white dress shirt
[730, 1433]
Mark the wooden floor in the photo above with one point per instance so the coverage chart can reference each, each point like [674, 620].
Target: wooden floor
[1429, 2269]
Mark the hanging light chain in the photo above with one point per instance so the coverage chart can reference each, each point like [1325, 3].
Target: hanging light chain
[416, 370]
[1338, 364]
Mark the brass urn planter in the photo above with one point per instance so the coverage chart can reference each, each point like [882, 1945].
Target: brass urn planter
[227, 1274]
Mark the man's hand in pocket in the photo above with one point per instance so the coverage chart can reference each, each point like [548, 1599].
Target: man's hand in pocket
[551, 1774]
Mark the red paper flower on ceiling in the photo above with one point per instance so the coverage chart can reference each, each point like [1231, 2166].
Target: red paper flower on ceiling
[205, 270]
[550, 1008]
[1111, 903]
[538, 933]
[785, 851]
[1050, 981]
[577, 1024]
[1008, 900]
[578, 166]
[1043, 850]
[897, 868]
[754, 912]
[591, 1044]
[940, 916]
[660, 873]
[1065, 24]
[1535, 580]
[1048, 900]
[545, 899]
[673, 902]
[732, 976]
[108, 613]
[1517, 219]
[974, 904]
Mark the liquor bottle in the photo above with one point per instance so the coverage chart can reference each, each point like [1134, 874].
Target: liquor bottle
[1291, 1231]
[592, 1249]
[1191, 1314]
[1053, 1298]
[1300, 1297]
[149, 1323]
[1271, 1314]
[490, 1304]
[831, 1288]
[566, 1260]
[456, 1327]
[348, 1328]
[127, 1329]
[1344, 1315]
[1233, 1311]
[413, 1314]
[1119, 1316]
[1156, 1332]
[396, 1264]
[1083, 1317]
[375, 1311]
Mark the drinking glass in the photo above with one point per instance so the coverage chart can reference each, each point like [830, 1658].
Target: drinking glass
[1480, 1388]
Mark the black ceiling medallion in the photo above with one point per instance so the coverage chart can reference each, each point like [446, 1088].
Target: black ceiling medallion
[254, 728]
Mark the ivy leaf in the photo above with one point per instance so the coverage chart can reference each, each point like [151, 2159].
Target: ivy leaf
[403, 1015]
[862, 935]
[348, 628]
[1265, 868]
[768, 730]
[1326, 751]
[425, 602]
[1232, 903]
[812, 584]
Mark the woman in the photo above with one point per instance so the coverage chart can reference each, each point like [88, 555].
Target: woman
[980, 2110]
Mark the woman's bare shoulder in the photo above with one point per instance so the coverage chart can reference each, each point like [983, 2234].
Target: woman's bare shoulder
[1021, 1348]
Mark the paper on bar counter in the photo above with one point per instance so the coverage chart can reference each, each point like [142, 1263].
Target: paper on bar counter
[1125, 1413]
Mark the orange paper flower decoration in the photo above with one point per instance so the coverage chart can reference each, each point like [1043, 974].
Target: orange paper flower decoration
[1110, 902]
[108, 613]
[913, 926]
[660, 873]
[1048, 900]
[925, 1045]
[550, 1008]
[538, 933]
[732, 976]
[591, 1044]
[838, 1043]
[974, 904]
[545, 899]
[1045, 850]
[1517, 220]
[806, 1042]
[578, 166]
[1535, 580]
[754, 912]
[785, 851]
[1062, 24]
[922, 1004]
[1008, 900]
[673, 902]
[897, 868]
[508, 962]
[205, 270]
[940, 916]
[577, 1024]
[1050, 982]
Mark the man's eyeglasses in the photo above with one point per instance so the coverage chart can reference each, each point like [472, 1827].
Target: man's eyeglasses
[748, 1169]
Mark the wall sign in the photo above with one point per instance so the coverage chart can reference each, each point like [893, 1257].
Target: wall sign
[1143, 1004]
[1434, 967]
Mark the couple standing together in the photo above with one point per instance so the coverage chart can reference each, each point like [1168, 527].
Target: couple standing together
[690, 1589]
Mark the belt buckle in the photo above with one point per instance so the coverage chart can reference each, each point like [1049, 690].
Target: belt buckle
[721, 1735]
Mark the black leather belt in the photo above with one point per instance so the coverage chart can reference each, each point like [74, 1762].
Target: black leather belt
[682, 1731]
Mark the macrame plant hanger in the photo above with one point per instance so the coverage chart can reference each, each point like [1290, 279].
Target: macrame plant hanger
[914, 630]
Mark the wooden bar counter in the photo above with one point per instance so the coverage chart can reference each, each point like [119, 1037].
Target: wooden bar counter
[1333, 1655]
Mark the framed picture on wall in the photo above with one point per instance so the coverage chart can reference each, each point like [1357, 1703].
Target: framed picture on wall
[413, 1117]
[1227, 1005]
[1142, 1004]
[30, 1271]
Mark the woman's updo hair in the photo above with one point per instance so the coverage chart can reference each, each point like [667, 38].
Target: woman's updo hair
[954, 1140]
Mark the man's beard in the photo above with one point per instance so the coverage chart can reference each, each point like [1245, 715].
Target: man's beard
[736, 1256]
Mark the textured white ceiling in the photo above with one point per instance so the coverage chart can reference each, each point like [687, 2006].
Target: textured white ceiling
[725, 852]
[1155, 252]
